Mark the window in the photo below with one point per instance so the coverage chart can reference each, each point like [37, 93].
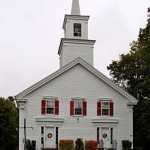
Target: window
[42, 134]
[57, 137]
[50, 107]
[78, 107]
[77, 29]
[42, 140]
[42, 130]
[111, 135]
[105, 108]
[98, 134]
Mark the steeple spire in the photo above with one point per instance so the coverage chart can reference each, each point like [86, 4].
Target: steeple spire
[75, 7]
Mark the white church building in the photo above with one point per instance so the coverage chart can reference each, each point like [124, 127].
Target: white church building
[76, 101]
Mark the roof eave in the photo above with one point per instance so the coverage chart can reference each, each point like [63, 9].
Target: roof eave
[75, 41]
[132, 100]
[74, 17]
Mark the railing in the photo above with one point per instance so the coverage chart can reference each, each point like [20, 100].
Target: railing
[101, 144]
[114, 144]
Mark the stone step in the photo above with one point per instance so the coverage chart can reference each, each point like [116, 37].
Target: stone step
[49, 149]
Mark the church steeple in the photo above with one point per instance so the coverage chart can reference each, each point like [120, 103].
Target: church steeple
[75, 43]
[75, 7]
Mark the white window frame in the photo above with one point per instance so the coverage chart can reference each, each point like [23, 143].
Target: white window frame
[105, 100]
[50, 98]
[50, 101]
[105, 108]
[81, 104]
[78, 99]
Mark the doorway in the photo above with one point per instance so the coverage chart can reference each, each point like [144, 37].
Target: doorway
[105, 136]
[49, 137]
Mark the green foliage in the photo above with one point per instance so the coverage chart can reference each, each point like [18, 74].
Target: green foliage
[91, 145]
[66, 144]
[30, 145]
[126, 144]
[132, 72]
[79, 145]
[8, 124]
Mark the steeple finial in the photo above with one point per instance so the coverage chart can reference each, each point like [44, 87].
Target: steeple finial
[75, 7]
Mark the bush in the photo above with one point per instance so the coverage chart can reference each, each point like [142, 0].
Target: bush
[126, 144]
[30, 145]
[79, 144]
[91, 145]
[66, 144]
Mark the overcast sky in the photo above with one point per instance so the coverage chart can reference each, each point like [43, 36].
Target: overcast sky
[30, 32]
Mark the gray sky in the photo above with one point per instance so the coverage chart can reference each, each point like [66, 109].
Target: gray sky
[30, 32]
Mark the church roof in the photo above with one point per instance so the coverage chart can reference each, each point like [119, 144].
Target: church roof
[86, 65]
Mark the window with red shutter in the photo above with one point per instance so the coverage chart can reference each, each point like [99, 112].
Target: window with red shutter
[78, 107]
[105, 108]
[111, 108]
[43, 107]
[84, 108]
[71, 108]
[56, 107]
[98, 108]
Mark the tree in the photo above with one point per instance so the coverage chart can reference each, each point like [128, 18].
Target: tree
[79, 145]
[8, 124]
[132, 72]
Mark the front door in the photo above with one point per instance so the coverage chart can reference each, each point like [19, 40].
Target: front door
[105, 137]
[49, 137]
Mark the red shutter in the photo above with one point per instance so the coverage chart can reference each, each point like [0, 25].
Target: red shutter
[43, 107]
[84, 108]
[56, 107]
[111, 108]
[71, 108]
[98, 108]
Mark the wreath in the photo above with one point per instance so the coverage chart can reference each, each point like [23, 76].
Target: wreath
[49, 135]
[104, 135]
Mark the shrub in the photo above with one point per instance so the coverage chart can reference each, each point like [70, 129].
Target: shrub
[30, 145]
[66, 144]
[126, 144]
[79, 145]
[91, 145]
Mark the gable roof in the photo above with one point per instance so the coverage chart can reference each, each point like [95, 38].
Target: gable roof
[90, 68]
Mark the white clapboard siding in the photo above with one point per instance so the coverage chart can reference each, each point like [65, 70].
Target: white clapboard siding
[76, 82]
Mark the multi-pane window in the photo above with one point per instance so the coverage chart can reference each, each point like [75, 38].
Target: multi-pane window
[42, 140]
[42, 134]
[111, 135]
[98, 134]
[105, 108]
[42, 130]
[50, 107]
[78, 108]
[57, 137]
[77, 29]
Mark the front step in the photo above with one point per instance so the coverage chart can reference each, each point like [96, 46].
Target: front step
[49, 149]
